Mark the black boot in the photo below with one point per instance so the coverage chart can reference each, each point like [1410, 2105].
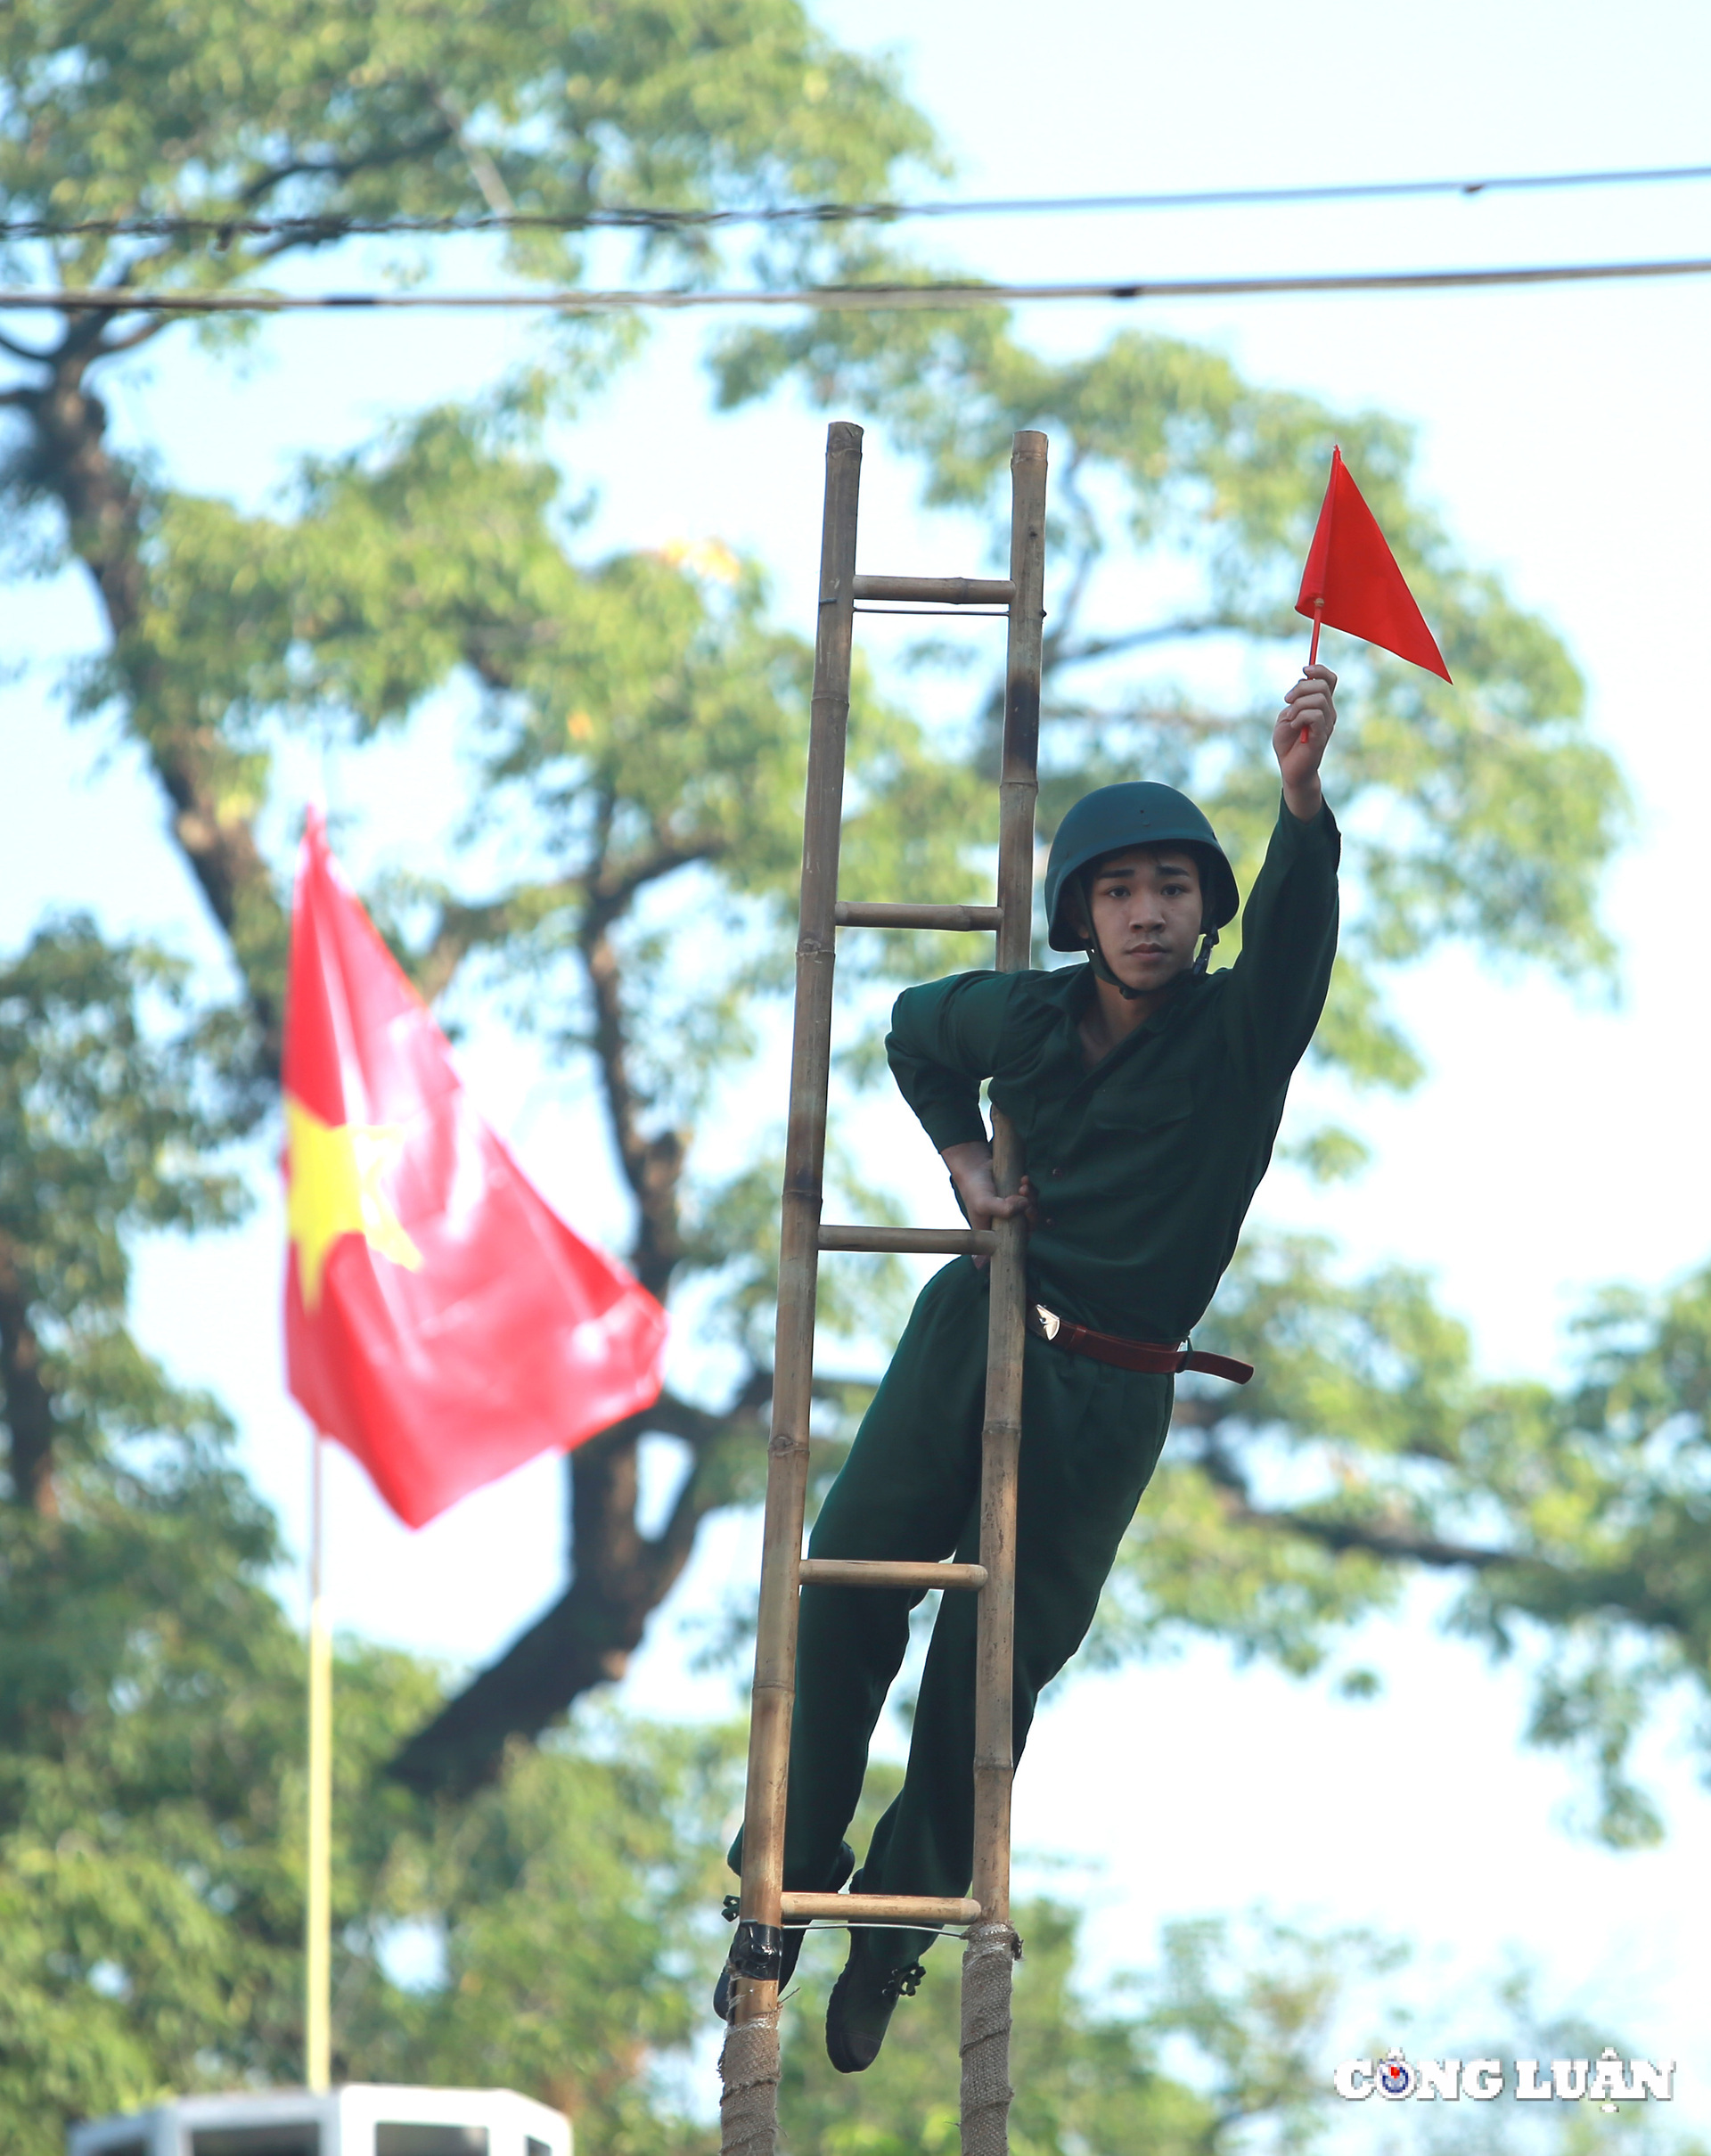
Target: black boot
[843, 1865]
[860, 2009]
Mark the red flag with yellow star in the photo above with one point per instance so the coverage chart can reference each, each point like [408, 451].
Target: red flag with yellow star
[441, 1321]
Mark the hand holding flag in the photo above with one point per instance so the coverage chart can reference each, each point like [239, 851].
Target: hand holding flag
[441, 1321]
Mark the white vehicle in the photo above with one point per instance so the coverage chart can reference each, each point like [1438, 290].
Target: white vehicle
[364, 2118]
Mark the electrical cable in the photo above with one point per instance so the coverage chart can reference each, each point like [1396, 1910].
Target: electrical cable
[840, 298]
[630, 216]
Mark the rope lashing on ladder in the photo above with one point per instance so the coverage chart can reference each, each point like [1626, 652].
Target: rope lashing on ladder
[749, 2072]
[991, 1954]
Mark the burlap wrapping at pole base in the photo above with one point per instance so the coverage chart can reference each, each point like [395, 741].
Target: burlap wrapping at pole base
[992, 1952]
[749, 2100]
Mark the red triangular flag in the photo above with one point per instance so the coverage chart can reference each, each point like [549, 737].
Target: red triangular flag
[441, 1321]
[1352, 582]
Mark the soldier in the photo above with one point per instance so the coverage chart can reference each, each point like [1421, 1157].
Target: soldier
[1146, 1092]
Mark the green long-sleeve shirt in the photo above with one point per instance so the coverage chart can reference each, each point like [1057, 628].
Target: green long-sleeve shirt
[1145, 1164]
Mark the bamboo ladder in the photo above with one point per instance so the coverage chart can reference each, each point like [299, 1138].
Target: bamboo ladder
[750, 2063]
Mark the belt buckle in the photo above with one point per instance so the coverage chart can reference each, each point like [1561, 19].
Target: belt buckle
[1051, 1324]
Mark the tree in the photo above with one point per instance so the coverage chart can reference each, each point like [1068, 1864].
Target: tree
[1223, 2045]
[323, 115]
[108, 1123]
[151, 1695]
[642, 722]
[1573, 1518]
[138, 1789]
[152, 1741]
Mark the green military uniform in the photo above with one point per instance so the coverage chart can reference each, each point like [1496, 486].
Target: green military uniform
[1145, 1167]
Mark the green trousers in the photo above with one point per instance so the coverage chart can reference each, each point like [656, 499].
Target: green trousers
[910, 1488]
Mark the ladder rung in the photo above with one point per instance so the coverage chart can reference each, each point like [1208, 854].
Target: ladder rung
[887, 1572]
[878, 913]
[941, 591]
[879, 1909]
[940, 1242]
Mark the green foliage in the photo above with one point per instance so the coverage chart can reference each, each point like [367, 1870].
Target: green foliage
[150, 1883]
[1349, 1376]
[112, 1104]
[1575, 1521]
[115, 1098]
[1225, 2041]
[315, 111]
[625, 880]
[575, 1911]
[150, 1850]
[150, 1862]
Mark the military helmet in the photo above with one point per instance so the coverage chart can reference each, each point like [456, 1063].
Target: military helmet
[1138, 812]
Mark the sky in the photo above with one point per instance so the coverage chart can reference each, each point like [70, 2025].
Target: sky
[1561, 1139]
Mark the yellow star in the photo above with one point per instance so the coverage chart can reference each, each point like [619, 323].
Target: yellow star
[335, 1189]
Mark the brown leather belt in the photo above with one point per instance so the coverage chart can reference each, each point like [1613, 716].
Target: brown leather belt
[1150, 1355]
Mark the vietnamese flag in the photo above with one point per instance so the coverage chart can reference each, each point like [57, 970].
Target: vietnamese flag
[441, 1321]
[1352, 582]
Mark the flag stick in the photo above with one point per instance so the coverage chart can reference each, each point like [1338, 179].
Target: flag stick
[1313, 649]
[317, 2016]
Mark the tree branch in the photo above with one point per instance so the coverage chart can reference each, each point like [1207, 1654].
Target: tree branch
[103, 511]
[587, 1636]
[1388, 1539]
[24, 351]
[465, 928]
[129, 341]
[1135, 640]
[259, 189]
[652, 1165]
[613, 893]
[698, 1495]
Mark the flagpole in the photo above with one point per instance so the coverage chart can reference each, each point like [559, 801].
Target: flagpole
[1313, 652]
[317, 2015]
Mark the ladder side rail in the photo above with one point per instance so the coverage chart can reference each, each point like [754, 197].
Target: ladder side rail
[750, 2063]
[989, 1962]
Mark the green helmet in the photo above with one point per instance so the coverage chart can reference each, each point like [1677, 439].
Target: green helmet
[1138, 812]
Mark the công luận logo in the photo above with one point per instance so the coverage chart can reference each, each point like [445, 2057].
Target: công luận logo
[1608, 2081]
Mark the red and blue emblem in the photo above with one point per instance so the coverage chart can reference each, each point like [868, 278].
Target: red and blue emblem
[1397, 2078]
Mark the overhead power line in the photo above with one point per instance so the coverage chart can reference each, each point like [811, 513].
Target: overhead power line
[632, 216]
[842, 299]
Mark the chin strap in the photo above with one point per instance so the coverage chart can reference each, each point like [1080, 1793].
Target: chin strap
[1101, 972]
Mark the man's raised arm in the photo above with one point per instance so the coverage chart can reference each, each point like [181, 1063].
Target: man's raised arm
[1289, 926]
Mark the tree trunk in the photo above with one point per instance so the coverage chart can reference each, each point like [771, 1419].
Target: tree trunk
[619, 1578]
[28, 1403]
[70, 460]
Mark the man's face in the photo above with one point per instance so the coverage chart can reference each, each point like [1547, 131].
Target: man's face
[1146, 912]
